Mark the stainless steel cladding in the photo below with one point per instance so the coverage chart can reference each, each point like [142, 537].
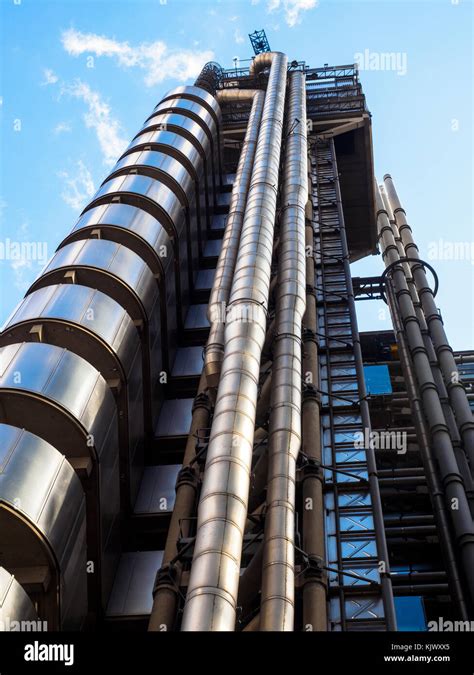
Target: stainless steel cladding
[145, 235]
[43, 526]
[230, 244]
[61, 398]
[120, 273]
[179, 147]
[165, 168]
[82, 364]
[284, 436]
[213, 585]
[16, 607]
[162, 203]
[94, 326]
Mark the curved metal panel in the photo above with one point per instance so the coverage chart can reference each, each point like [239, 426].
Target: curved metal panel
[61, 398]
[139, 231]
[182, 125]
[83, 320]
[15, 605]
[163, 167]
[193, 110]
[150, 194]
[124, 276]
[94, 326]
[43, 517]
[171, 142]
[197, 94]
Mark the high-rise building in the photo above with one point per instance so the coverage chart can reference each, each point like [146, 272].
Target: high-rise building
[194, 434]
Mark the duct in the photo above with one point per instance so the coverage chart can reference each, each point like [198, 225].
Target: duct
[230, 244]
[61, 398]
[166, 592]
[214, 578]
[140, 232]
[260, 63]
[456, 392]
[119, 273]
[15, 605]
[450, 477]
[43, 521]
[284, 436]
[95, 327]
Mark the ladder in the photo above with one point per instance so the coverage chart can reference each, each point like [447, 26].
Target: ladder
[355, 598]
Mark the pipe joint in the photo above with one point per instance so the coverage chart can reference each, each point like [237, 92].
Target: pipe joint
[166, 577]
[187, 476]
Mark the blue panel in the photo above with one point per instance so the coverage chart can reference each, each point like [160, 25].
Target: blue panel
[410, 613]
[377, 380]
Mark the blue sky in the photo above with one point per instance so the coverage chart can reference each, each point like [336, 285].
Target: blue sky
[80, 77]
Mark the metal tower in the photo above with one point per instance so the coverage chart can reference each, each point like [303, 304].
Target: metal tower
[194, 433]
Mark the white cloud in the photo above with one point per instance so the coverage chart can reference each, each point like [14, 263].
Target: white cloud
[49, 76]
[79, 186]
[22, 273]
[234, 18]
[99, 117]
[62, 127]
[157, 60]
[292, 9]
[238, 37]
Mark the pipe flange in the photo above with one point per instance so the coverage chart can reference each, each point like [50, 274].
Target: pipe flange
[309, 335]
[315, 569]
[187, 476]
[166, 577]
[202, 401]
[310, 392]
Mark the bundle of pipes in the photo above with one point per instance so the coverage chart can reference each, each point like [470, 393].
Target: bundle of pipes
[166, 592]
[461, 456]
[222, 513]
[401, 303]
[444, 353]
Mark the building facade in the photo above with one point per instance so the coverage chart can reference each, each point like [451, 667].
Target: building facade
[195, 435]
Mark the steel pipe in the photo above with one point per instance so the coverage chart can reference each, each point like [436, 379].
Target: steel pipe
[442, 445]
[222, 285]
[222, 513]
[284, 438]
[456, 392]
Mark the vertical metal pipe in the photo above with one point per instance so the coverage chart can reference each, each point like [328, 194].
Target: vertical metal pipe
[221, 287]
[449, 417]
[214, 579]
[435, 488]
[166, 591]
[313, 539]
[284, 438]
[456, 392]
[449, 470]
[386, 584]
